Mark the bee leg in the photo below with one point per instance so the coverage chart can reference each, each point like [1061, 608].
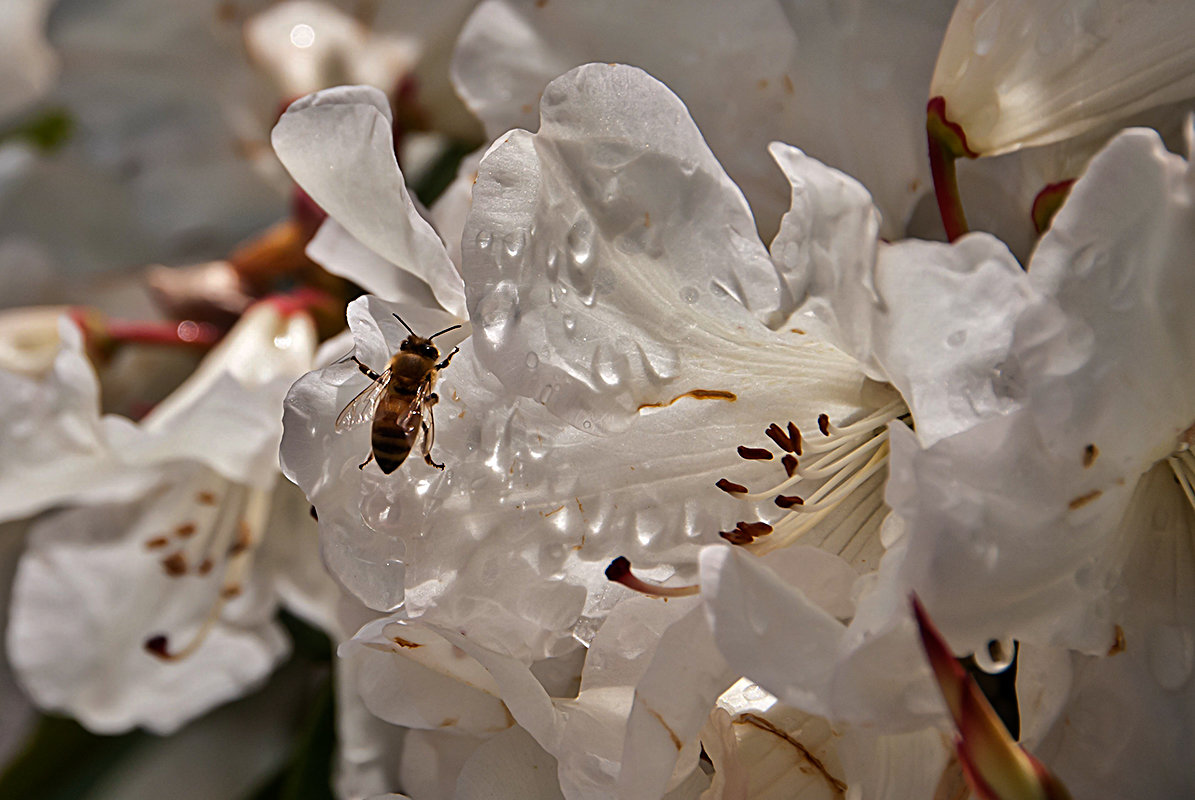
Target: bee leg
[427, 456]
[444, 363]
[364, 463]
[429, 430]
[369, 373]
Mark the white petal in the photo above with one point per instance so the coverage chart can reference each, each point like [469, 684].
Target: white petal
[1116, 264]
[1129, 716]
[409, 675]
[55, 446]
[431, 762]
[931, 319]
[941, 328]
[339, 147]
[672, 702]
[768, 631]
[1007, 68]
[311, 45]
[1016, 520]
[226, 413]
[607, 257]
[339, 252]
[845, 84]
[509, 766]
[90, 591]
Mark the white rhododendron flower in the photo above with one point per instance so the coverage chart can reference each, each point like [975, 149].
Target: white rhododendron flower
[690, 356]
[615, 282]
[1020, 73]
[1067, 522]
[1020, 523]
[155, 606]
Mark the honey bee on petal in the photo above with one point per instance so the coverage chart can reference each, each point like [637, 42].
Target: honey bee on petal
[399, 401]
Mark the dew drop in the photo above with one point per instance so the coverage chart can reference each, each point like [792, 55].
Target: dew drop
[587, 425]
[689, 294]
[997, 656]
[1170, 651]
[484, 239]
[545, 393]
[514, 243]
[570, 322]
[580, 242]
[379, 513]
[532, 361]
[497, 310]
[956, 339]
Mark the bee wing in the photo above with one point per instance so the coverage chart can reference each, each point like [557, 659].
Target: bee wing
[362, 407]
[419, 405]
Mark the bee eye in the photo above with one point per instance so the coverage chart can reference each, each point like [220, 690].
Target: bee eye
[430, 352]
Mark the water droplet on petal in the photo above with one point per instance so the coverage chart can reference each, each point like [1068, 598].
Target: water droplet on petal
[497, 310]
[514, 243]
[580, 242]
[1171, 654]
[379, 513]
[997, 656]
[956, 339]
[570, 322]
[689, 294]
[484, 239]
[532, 361]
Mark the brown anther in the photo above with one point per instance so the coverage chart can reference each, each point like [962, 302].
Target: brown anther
[183, 531]
[242, 541]
[619, 568]
[175, 565]
[823, 424]
[157, 542]
[1090, 454]
[158, 645]
[755, 528]
[619, 571]
[789, 500]
[730, 487]
[777, 435]
[790, 463]
[755, 453]
[204, 567]
[737, 537]
[794, 433]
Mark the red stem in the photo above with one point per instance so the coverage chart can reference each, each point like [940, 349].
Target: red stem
[947, 142]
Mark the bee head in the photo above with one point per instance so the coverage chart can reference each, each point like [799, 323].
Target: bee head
[420, 347]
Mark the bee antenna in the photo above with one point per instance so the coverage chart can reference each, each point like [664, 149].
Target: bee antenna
[405, 325]
[441, 333]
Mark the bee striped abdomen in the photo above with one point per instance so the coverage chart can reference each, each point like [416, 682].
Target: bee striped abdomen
[390, 439]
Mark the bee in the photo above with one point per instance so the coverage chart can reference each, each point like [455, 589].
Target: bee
[399, 401]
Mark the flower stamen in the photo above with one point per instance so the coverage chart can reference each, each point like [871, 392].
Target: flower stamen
[837, 463]
[1182, 462]
[619, 571]
[229, 537]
